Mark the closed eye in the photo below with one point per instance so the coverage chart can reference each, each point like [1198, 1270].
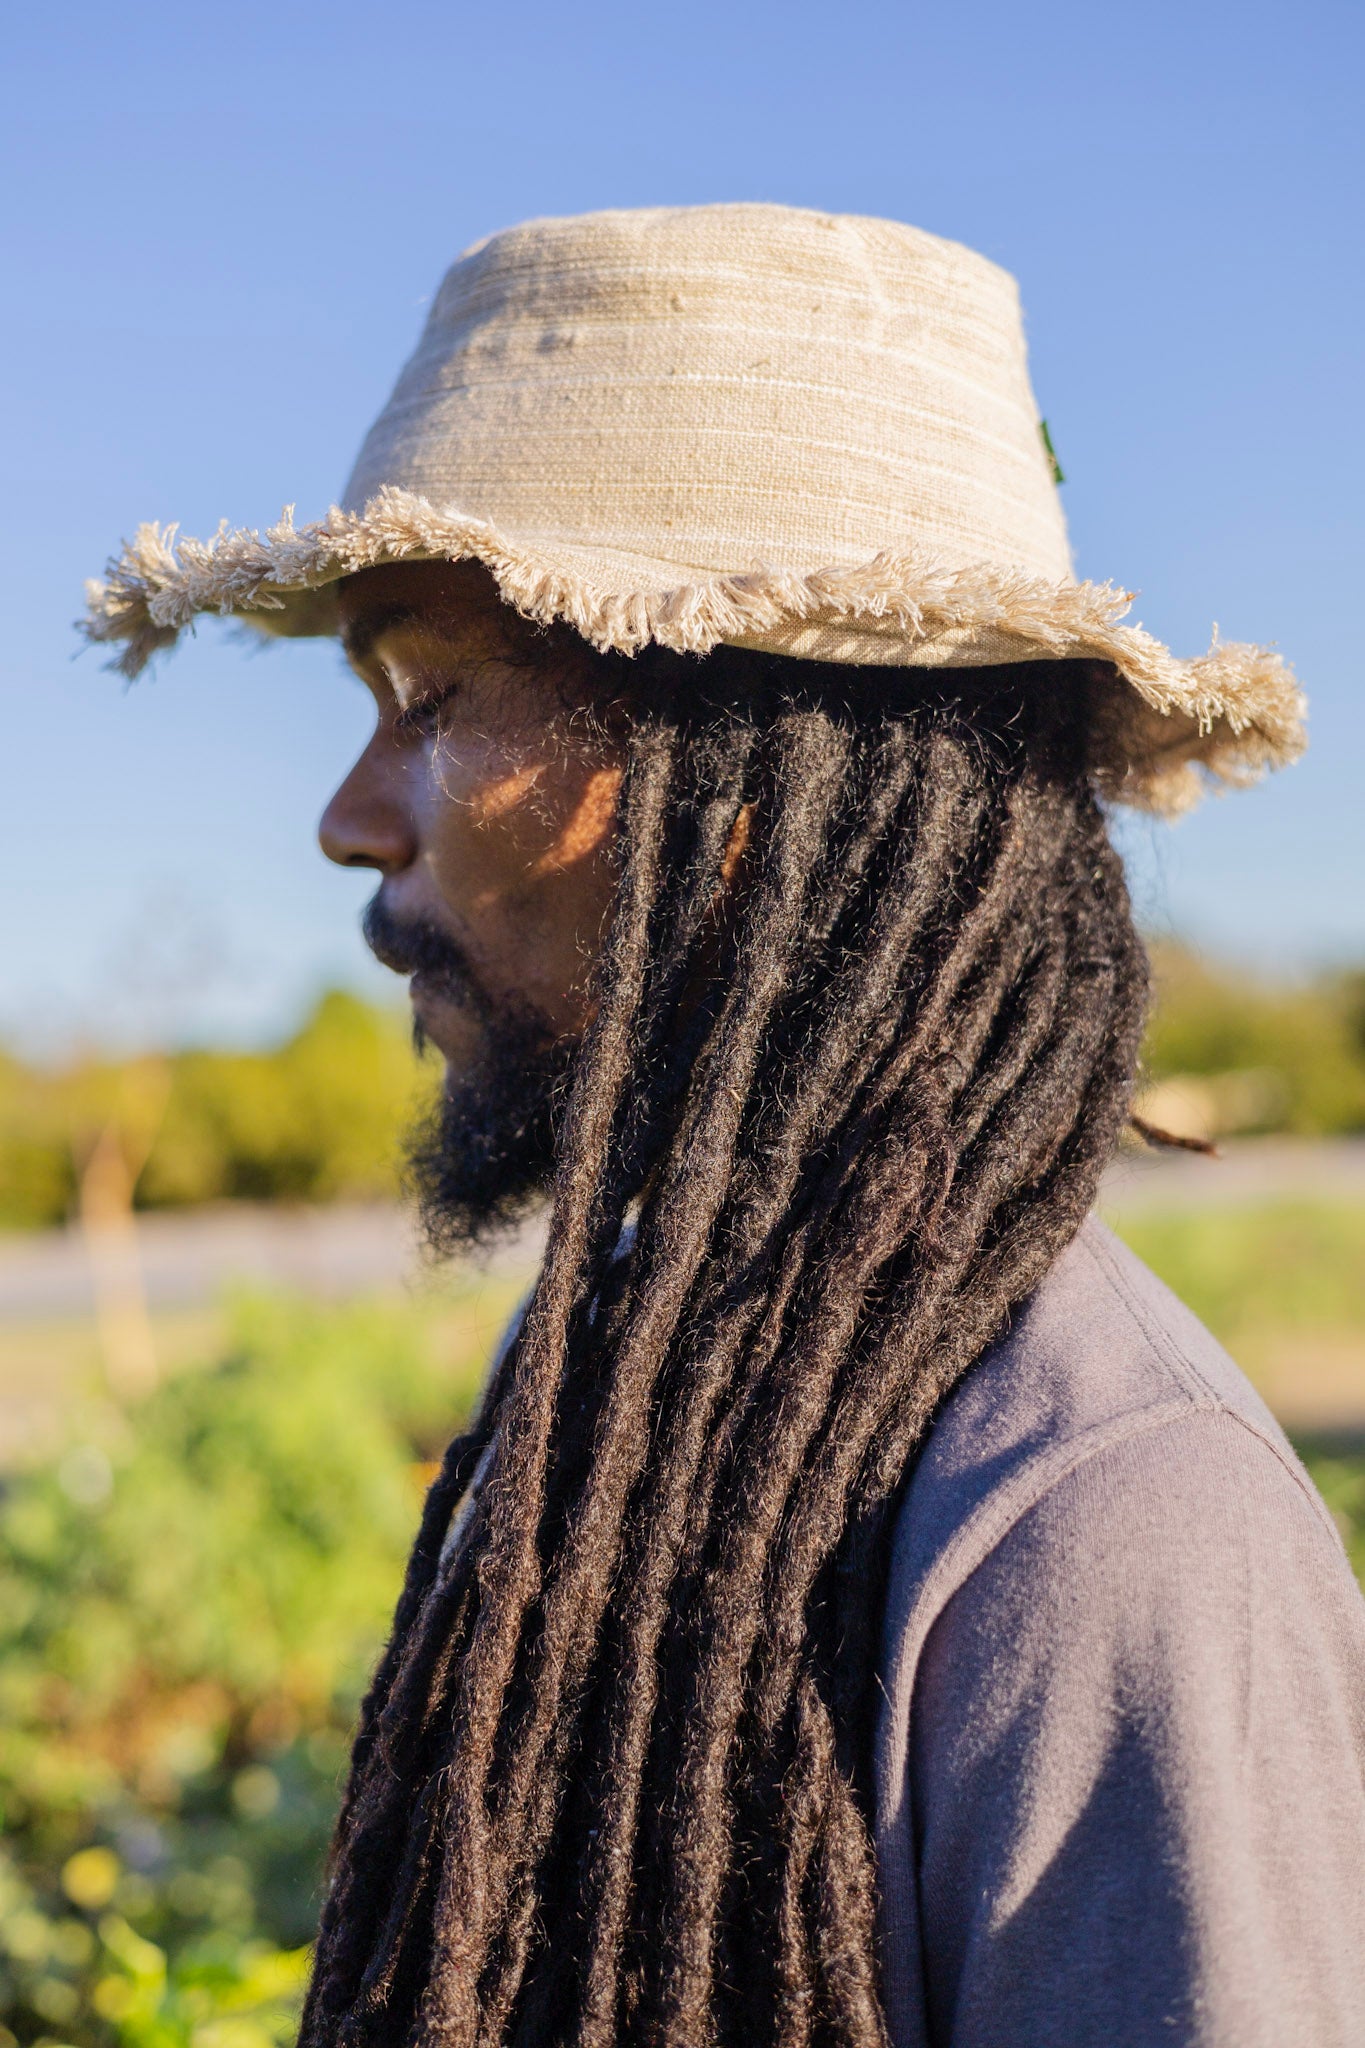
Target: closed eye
[421, 719]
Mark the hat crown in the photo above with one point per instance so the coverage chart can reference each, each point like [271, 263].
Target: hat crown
[808, 433]
[703, 390]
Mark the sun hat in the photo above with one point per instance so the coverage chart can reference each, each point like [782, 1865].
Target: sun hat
[803, 432]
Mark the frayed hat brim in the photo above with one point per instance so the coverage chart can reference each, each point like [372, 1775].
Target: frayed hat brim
[1224, 717]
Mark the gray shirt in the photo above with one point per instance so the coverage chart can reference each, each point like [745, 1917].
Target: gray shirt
[1121, 1764]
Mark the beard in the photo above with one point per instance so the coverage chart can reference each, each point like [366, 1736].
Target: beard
[483, 1157]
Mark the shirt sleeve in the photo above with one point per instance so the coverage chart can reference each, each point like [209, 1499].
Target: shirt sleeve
[1137, 1764]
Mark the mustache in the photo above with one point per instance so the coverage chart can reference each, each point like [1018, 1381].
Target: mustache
[415, 945]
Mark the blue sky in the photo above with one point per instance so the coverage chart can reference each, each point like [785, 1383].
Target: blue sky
[223, 227]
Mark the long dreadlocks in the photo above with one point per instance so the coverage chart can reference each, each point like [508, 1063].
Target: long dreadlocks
[612, 1779]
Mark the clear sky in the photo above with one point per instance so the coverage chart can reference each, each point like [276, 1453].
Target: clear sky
[223, 226]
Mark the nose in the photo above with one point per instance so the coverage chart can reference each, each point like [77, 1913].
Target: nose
[368, 824]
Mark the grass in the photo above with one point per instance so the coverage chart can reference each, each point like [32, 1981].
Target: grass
[1295, 1265]
[1339, 1475]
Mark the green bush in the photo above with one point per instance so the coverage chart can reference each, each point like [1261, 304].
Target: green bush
[37, 1170]
[191, 1598]
[1302, 1049]
[320, 1116]
[1340, 1478]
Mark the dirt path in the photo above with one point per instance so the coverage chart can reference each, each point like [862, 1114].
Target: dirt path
[1255, 1170]
[189, 1257]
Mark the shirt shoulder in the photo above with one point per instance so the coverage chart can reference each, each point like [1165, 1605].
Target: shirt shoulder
[1110, 1571]
[1102, 1352]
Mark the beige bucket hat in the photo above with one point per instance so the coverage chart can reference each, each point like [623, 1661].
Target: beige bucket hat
[805, 432]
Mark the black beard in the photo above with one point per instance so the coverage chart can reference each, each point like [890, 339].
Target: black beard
[485, 1155]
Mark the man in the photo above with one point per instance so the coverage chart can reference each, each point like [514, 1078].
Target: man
[867, 1606]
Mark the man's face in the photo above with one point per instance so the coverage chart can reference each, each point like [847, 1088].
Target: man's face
[484, 800]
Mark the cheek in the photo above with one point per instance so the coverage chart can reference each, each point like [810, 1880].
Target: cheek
[518, 850]
[586, 829]
[483, 828]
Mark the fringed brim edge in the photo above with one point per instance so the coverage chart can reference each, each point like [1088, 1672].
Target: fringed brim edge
[1225, 717]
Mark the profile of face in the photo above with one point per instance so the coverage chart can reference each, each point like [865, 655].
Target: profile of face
[484, 800]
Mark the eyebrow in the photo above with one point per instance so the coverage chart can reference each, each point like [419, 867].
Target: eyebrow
[359, 637]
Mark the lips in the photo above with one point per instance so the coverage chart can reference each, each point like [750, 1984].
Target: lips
[416, 947]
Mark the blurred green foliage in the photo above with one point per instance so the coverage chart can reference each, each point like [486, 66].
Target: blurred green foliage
[1298, 1048]
[192, 1594]
[322, 1115]
[1339, 1476]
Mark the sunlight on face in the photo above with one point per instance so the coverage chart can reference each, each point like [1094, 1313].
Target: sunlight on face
[485, 798]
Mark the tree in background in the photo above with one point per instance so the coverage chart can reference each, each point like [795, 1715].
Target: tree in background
[1236, 1053]
[314, 1119]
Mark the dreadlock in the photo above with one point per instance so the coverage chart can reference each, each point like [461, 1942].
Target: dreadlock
[612, 1780]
